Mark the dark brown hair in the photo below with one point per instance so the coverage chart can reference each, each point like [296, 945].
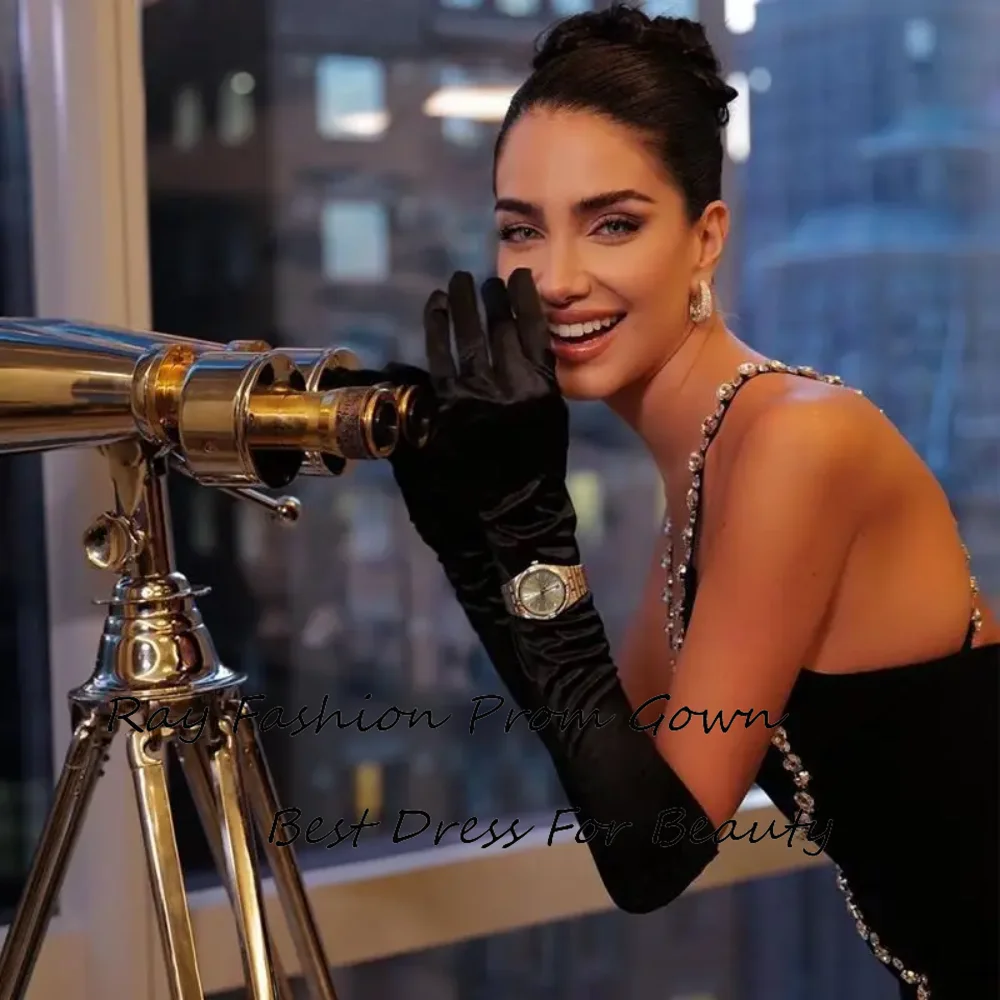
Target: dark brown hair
[657, 75]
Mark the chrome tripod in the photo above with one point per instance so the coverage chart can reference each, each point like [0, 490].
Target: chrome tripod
[159, 675]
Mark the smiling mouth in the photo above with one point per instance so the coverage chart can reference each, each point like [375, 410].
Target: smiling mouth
[582, 332]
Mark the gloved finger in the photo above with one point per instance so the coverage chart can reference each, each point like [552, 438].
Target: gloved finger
[437, 338]
[509, 362]
[532, 326]
[470, 339]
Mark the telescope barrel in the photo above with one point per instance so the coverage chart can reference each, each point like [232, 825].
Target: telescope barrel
[354, 422]
[327, 368]
[244, 418]
[139, 341]
[52, 397]
[237, 414]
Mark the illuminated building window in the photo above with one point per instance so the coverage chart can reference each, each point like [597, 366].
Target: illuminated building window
[586, 489]
[355, 241]
[350, 98]
[672, 8]
[740, 16]
[236, 108]
[459, 131]
[564, 8]
[368, 516]
[518, 8]
[738, 129]
[368, 791]
[919, 38]
[189, 118]
[470, 104]
[760, 80]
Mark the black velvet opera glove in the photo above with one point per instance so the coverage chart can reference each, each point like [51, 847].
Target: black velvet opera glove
[435, 489]
[504, 418]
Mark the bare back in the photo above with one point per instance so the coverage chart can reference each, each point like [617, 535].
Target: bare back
[905, 592]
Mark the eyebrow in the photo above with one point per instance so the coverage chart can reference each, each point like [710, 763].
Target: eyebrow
[585, 206]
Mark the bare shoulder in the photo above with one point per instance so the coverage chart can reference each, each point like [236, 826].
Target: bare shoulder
[809, 430]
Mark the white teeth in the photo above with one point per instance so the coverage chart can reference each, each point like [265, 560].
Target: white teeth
[571, 331]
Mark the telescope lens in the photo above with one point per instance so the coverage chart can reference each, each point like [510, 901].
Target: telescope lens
[384, 425]
[419, 408]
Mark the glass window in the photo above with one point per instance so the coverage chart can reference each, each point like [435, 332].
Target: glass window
[189, 118]
[564, 8]
[236, 108]
[355, 238]
[518, 8]
[26, 770]
[350, 97]
[460, 131]
[344, 240]
[740, 15]
[671, 8]
[722, 944]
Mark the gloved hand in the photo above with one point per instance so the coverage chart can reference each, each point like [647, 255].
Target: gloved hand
[502, 412]
[505, 419]
[484, 454]
[429, 478]
[434, 488]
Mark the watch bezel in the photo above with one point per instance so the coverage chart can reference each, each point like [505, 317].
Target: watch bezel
[532, 573]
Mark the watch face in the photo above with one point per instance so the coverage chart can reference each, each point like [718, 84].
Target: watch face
[542, 593]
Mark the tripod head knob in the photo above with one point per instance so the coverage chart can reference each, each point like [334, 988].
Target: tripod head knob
[288, 509]
[112, 542]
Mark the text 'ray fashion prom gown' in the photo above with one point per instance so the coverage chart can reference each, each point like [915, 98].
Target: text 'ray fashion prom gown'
[902, 763]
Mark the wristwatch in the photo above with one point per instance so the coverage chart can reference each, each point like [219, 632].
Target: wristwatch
[542, 592]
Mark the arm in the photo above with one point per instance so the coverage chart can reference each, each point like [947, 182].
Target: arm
[503, 405]
[780, 538]
[641, 665]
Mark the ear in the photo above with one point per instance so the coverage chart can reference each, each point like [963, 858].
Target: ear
[710, 233]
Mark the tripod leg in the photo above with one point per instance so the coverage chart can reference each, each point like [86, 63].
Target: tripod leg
[243, 877]
[198, 773]
[81, 769]
[284, 866]
[147, 758]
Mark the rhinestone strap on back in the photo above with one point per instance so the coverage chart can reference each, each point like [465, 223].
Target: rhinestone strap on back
[675, 598]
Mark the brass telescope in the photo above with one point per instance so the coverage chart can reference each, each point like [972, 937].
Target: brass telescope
[236, 417]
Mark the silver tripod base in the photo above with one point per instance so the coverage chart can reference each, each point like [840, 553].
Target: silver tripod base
[232, 788]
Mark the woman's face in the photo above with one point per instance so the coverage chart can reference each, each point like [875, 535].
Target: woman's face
[584, 204]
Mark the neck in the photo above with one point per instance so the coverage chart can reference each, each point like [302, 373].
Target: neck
[666, 410]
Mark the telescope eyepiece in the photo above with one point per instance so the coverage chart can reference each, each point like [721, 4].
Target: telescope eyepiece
[384, 424]
[417, 412]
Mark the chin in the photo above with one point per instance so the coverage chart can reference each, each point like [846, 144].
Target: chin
[587, 381]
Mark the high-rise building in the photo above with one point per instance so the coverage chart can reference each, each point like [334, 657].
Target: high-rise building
[872, 241]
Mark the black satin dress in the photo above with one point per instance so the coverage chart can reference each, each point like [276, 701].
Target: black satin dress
[901, 767]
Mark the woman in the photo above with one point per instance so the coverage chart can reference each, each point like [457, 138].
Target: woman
[812, 574]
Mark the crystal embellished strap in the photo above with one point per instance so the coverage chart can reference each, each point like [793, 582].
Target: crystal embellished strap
[675, 597]
[675, 592]
[804, 821]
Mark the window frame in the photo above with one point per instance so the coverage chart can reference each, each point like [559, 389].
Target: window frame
[84, 87]
[87, 172]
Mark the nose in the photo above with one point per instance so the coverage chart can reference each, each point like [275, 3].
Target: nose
[558, 275]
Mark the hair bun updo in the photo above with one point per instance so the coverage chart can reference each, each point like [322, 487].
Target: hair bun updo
[658, 77]
[676, 42]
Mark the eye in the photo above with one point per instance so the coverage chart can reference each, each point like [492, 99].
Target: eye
[618, 226]
[515, 233]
